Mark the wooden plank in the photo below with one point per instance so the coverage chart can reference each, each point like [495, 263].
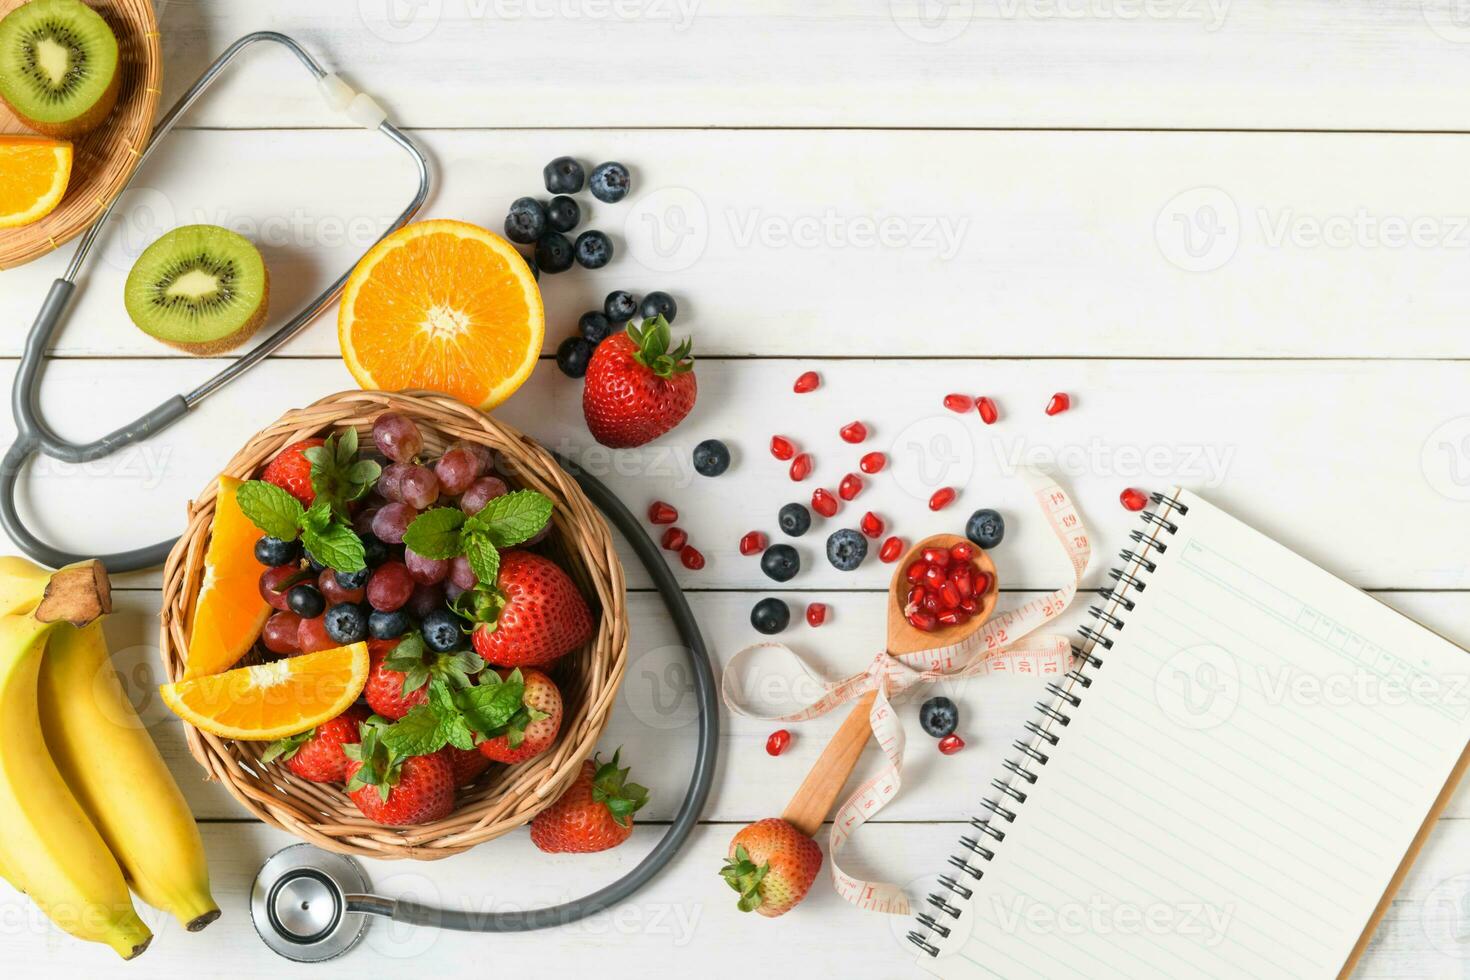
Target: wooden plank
[1362, 466]
[1235, 64]
[936, 243]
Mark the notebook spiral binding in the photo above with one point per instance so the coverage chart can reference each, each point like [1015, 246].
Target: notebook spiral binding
[1054, 715]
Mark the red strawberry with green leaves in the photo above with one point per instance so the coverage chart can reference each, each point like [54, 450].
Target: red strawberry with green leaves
[465, 765]
[317, 755]
[534, 615]
[396, 790]
[771, 865]
[400, 671]
[533, 728]
[594, 814]
[637, 389]
[291, 470]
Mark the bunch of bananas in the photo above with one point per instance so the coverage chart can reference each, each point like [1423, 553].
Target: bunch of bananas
[87, 806]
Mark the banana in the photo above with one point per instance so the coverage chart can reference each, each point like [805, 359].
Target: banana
[48, 846]
[108, 759]
[22, 582]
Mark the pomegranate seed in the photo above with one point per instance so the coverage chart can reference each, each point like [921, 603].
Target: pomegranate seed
[816, 613]
[853, 432]
[951, 743]
[662, 513]
[823, 502]
[915, 597]
[963, 551]
[872, 462]
[691, 558]
[959, 403]
[983, 582]
[936, 556]
[782, 448]
[934, 576]
[988, 411]
[871, 525]
[923, 621]
[941, 498]
[1059, 403]
[674, 539]
[931, 603]
[777, 742]
[753, 543]
[801, 467]
[850, 487]
[951, 617]
[963, 582]
[1133, 499]
[915, 571]
[891, 550]
[949, 596]
[969, 605]
[808, 381]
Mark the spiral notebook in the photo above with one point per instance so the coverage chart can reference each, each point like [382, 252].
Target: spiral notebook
[1232, 782]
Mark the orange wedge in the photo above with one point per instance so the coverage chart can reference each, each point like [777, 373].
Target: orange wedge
[229, 612]
[442, 305]
[274, 700]
[34, 172]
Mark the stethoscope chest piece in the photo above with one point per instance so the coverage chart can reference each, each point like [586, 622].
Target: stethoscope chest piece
[299, 903]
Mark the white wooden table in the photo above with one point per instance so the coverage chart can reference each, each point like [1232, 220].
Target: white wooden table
[1235, 230]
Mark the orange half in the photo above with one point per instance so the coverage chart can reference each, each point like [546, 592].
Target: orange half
[274, 700]
[34, 172]
[442, 305]
[229, 611]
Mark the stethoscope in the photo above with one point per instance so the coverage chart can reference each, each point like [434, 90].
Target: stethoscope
[308, 904]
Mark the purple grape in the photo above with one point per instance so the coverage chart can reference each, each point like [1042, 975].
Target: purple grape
[397, 437]
[392, 521]
[539, 536]
[362, 521]
[425, 571]
[420, 487]
[390, 587]
[484, 456]
[481, 492]
[452, 592]
[461, 575]
[390, 483]
[456, 470]
[425, 599]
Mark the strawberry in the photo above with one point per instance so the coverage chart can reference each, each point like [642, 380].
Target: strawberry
[541, 616]
[531, 730]
[400, 671]
[465, 765]
[394, 790]
[291, 470]
[772, 865]
[316, 755]
[594, 814]
[636, 388]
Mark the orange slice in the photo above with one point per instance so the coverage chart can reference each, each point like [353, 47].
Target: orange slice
[33, 175]
[274, 700]
[442, 305]
[229, 612]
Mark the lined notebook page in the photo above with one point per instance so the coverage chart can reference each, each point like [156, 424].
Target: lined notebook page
[1242, 778]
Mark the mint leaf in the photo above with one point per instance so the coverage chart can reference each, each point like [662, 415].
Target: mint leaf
[270, 508]
[285, 748]
[484, 558]
[333, 544]
[489, 706]
[456, 731]
[436, 533]
[417, 733]
[512, 518]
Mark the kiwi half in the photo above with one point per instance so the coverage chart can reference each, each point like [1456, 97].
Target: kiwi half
[200, 288]
[58, 66]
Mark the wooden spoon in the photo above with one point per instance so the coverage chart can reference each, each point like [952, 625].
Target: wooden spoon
[818, 792]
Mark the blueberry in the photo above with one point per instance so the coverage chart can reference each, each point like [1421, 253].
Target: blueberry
[659, 303]
[781, 562]
[526, 221]
[986, 528]
[313, 563]
[594, 249]
[609, 182]
[440, 630]
[305, 600]
[770, 616]
[374, 552]
[562, 214]
[711, 458]
[619, 306]
[357, 579]
[572, 356]
[846, 549]
[554, 252]
[594, 326]
[387, 625]
[563, 176]
[795, 519]
[273, 551]
[346, 623]
[939, 717]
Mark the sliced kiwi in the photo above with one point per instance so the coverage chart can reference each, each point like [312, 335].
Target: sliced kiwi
[58, 66]
[199, 288]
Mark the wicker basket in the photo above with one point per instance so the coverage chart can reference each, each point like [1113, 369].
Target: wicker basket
[505, 797]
